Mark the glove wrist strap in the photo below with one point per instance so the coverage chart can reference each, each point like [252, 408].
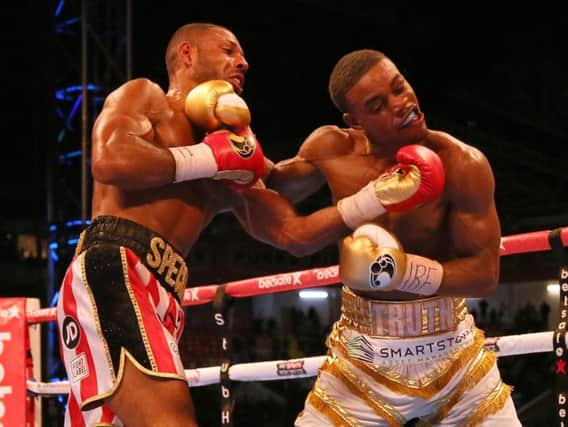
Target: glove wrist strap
[193, 162]
[422, 276]
[360, 207]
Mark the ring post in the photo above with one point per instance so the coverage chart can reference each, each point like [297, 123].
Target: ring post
[13, 362]
[33, 364]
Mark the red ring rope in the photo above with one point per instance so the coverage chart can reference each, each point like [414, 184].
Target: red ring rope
[510, 245]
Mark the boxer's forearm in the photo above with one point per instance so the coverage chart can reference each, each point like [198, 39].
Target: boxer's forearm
[272, 219]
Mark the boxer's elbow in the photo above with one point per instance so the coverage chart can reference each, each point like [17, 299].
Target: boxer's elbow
[115, 172]
[485, 289]
[488, 282]
[289, 233]
[299, 251]
[295, 245]
[104, 171]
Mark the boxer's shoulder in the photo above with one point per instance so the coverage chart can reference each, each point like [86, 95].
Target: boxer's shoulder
[138, 93]
[455, 153]
[328, 141]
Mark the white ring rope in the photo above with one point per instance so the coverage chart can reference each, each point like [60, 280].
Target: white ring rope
[307, 367]
[538, 342]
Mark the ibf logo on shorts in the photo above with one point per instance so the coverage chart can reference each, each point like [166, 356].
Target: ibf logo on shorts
[71, 332]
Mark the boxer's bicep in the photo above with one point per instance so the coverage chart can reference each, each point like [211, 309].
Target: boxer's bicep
[473, 219]
[474, 233]
[295, 178]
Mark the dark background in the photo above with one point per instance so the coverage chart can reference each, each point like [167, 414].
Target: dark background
[495, 76]
[492, 75]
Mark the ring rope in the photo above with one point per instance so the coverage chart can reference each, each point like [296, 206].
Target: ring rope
[309, 366]
[538, 342]
[510, 245]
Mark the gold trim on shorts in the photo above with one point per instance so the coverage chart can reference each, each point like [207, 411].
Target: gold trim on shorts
[92, 401]
[492, 404]
[80, 243]
[340, 370]
[484, 361]
[97, 317]
[478, 369]
[401, 319]
[426, 386]
[162, 259]
[328, 406]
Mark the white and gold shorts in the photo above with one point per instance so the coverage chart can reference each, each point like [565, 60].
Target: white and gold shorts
[390, 362]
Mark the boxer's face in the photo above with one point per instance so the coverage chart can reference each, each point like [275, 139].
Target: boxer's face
[385, 106]
[220, 56]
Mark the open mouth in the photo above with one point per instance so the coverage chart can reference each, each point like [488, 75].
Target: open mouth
[412, 116]
[237, 83]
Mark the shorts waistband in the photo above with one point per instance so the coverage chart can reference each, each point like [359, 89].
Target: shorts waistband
[154, 251]
[401, 319]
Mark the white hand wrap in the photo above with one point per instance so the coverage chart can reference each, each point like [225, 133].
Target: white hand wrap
[360, 207]
[194, 162]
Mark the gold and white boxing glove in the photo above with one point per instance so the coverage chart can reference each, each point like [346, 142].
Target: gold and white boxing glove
[417, 179]
[372, 259]
[214, 105]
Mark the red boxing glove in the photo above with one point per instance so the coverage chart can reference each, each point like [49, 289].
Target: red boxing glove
[239, 157]
[418, 179]
[234, 157]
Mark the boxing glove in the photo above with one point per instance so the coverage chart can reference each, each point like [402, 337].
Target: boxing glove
[214, 105]
[417, 179]
[373, 259]
[234, 157]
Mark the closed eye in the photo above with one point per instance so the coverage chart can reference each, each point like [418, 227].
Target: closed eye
[398, 89]
[375, 105]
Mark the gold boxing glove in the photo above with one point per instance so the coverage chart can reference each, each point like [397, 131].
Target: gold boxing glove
[214, 105]
[373, 259]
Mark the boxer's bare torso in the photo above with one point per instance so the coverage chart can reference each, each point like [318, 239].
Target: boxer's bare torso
[347, 161]
[179, 211]
[131, 179]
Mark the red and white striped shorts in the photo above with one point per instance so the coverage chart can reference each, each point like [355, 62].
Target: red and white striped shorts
[112, 307]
